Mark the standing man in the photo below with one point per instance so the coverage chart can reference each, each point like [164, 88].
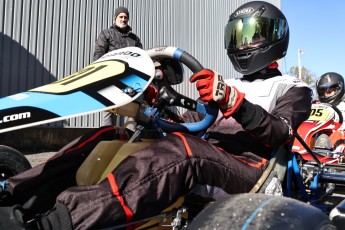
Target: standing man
[116, 37]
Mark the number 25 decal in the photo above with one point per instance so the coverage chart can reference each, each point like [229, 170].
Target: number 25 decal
[316, 112]
[319, 115]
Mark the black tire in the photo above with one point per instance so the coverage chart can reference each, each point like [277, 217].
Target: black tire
[260, 211]
[12, 162]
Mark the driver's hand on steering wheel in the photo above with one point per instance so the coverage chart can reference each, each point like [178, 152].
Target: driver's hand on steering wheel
[212, 87]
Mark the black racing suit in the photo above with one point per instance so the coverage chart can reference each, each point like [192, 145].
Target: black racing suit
[152, 179]
[115, 38]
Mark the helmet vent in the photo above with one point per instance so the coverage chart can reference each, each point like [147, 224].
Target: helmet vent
[243, 55]
[243, 64]
[242, 60]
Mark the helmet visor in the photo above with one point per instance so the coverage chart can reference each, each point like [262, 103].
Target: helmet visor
[252, 32]
[328, 90]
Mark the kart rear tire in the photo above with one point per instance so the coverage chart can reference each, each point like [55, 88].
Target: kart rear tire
[260, 211]
[12, 162]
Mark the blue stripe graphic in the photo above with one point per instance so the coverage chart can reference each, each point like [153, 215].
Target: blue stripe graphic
[134, 81]
[62, 105]
[177, 54]
[255, 212]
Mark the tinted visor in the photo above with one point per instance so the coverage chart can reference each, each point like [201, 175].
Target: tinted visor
[252, 32]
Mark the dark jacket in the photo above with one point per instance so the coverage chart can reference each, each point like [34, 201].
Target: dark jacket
[115, 38]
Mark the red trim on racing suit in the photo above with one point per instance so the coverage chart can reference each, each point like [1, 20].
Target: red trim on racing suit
[92, 138]
[129, 213]
[189, 151]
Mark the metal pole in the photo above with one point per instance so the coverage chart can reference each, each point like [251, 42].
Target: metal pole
[299, 64]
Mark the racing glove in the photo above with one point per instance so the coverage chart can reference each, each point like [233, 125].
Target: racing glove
[212, 87]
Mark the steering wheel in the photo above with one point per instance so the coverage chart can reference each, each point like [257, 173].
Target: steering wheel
[208, 110]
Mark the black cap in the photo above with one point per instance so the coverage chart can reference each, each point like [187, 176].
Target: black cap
[121, 9]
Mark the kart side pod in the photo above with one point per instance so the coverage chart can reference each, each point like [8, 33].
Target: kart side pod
[104, 158]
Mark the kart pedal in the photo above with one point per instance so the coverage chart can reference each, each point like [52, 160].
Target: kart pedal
[337, 215]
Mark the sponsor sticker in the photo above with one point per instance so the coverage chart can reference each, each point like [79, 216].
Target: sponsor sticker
[19, 96]
[244, 11]
[15, 117]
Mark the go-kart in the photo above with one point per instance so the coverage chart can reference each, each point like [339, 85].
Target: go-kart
[91, 157]
[115, 82]
[321, 168]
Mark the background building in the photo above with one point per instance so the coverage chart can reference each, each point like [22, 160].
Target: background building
[42, 41]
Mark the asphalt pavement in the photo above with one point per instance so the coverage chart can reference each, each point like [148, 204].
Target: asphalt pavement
[38, 158]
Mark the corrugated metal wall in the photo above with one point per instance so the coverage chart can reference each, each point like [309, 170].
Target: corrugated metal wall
[42, 41]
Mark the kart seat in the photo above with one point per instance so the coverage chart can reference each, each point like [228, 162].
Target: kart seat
[104, 158]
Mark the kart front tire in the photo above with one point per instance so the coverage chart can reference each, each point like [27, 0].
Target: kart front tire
[12, 162]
